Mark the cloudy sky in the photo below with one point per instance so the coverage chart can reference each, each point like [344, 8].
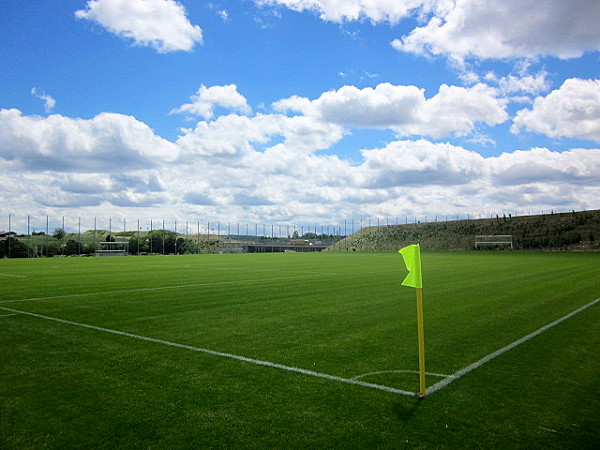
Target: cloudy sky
[297, 111]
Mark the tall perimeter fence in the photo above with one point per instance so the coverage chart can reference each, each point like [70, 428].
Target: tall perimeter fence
[35, 236]
[52, 236]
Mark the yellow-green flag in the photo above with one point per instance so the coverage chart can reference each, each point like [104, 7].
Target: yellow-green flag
[412, 259]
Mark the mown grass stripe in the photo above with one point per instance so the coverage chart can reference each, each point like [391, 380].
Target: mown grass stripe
[163, 288]
[217, 353]
[446, 381]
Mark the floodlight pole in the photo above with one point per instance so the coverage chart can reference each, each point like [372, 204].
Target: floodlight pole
[47, 232]
[9, 236]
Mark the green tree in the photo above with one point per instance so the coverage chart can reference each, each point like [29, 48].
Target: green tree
[161, 241]
[185, 246]
[53, 249]
[72, 247]
[59, 234]
[13, 248]
[138, 245]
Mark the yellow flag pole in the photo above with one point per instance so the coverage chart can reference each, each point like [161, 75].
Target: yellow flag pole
[412, 260]
[421, 338]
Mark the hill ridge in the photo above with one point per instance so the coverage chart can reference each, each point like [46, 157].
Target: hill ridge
[572, 231]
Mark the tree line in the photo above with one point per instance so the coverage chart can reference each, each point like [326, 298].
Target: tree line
[62, 244]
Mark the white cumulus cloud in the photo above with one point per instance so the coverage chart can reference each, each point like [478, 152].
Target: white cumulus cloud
[279, 168]
[507, 28]
[573, 110]
[524, 84]
[540, 165]
[207, 98]
[404, 109]
[482, 29]
[340, 10]
[106, 142]
[160, 24]
[421, 162]
[236, 136]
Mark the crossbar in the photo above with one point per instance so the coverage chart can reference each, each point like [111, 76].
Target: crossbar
[494, 239]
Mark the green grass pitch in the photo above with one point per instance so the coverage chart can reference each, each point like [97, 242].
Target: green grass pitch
[68, 380]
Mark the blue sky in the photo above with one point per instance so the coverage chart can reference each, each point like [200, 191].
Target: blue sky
[297, 111]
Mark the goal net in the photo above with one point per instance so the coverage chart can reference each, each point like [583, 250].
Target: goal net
[494, 240]
[112, 249]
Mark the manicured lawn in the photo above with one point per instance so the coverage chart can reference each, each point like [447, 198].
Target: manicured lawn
[110, 352]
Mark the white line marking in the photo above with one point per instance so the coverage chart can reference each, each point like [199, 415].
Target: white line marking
[355, 381]
[443, 383]
[12, 275]
[169, 266]
[250, 269]
[160, 288]
[216, 353]
[364, 375]
[7, 315]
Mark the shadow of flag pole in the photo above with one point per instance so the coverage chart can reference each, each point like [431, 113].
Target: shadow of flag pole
[412, 260]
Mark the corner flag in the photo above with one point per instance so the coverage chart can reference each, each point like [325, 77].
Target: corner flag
[412, 260]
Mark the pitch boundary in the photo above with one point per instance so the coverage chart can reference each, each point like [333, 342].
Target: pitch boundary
[465, 370]
[354, 381]
[364, 375]
[217, 353]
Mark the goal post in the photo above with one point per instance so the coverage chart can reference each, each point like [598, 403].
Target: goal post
[494, 240]
[112, 249]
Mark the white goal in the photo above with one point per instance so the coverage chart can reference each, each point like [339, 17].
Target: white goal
[112, 249]
[494, 240]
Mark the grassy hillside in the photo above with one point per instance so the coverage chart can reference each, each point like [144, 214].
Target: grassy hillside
[565, 231]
